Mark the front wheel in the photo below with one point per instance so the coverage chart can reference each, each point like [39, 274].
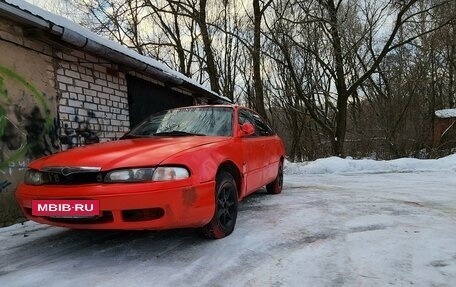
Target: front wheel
[226, 203]
[275, 187]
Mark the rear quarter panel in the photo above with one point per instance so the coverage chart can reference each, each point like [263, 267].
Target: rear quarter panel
[275, 152]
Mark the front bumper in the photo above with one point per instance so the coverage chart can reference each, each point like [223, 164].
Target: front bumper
[157, 205]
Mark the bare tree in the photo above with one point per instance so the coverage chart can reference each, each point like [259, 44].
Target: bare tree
[326, 72]
[258, 14]
[179, 32]
[117, 20]
[352, 52]
[197, 10]
[229, 48]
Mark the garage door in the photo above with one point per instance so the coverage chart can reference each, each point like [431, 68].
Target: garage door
[146, 98]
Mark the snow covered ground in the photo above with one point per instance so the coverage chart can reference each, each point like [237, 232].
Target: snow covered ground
[338, 222]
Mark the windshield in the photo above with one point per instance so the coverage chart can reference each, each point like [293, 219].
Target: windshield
[198, 121]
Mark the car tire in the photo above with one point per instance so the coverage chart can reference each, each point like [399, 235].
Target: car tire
[276, 186]
[226, 208]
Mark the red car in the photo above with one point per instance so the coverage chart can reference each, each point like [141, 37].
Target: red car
[186, 167]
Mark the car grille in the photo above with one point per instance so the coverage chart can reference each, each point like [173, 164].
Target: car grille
[104, 217]
[76, 178]
[67, 176]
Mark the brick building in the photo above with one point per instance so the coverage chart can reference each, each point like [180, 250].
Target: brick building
[444, 129]
[61, 86]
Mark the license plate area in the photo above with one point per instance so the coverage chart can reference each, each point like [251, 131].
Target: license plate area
[66, 208]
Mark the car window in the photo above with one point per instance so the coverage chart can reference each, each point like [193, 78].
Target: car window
[206, 121]
[261, 128]
[245, 117]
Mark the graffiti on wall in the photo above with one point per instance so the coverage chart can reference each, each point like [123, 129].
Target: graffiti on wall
[24, 130]
[83, 134]
[29, 131]
[4, 184]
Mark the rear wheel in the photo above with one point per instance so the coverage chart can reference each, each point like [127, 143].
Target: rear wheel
[275, 187]
[226, 203]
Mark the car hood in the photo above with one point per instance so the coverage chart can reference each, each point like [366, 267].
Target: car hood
[125, 153]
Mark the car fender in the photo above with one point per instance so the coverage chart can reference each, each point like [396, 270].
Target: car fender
[204, 161]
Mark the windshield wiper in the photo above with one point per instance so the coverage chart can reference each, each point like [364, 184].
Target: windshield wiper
[177, 133]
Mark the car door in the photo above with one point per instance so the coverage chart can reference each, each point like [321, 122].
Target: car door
[270, 144]
[253, 154]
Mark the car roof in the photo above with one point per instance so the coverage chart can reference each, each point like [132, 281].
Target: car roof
[233, 106]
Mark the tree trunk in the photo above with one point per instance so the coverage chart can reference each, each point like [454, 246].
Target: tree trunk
[256, 59]
[341, 126]
[210, 61]
[341, 86]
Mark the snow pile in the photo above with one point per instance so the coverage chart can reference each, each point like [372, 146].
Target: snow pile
[348, 165]
[446, 113]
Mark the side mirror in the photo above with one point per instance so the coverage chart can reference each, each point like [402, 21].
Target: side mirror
[247, 129]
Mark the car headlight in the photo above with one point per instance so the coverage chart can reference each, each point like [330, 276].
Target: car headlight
[163, 173]
[130, 175]
[33, 177]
